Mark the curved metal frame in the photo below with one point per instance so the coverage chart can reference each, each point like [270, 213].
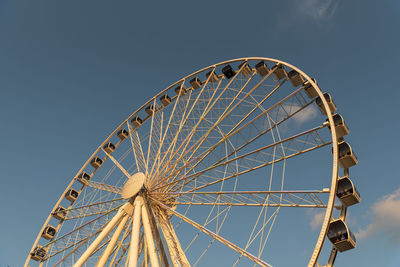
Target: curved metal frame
[330, 206]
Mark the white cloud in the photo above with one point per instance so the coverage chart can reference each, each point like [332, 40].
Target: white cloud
[316, 220]
[318, 9]
[302, 116]
[385, 217]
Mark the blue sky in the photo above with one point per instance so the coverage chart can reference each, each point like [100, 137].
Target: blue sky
[71, 71]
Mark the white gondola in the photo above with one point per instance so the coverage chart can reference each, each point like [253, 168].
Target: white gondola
[340, 235]
[328, 99]
[150, 110]
[136, 121]
[347, 192]
[60, 213]
[213, 76]
[228, 71]
[347, 157]
[309, 89]
[83, 177]
[295, 78]
[180, 90]
[195, 83]
[262, 68]
[39, 253]
[96, 162]
[165, 100]
[279, 72]
[123, 134]
[246, 70]
[49, 232]
[71, 195]
[109, 148]
[340, 126]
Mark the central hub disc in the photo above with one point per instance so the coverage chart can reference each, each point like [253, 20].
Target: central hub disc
[133, 185]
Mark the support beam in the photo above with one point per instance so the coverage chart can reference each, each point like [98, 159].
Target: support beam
[217, 237]
[156, 233]
[149, 238]
[123, 211]
[107, 252]
[134, 245]
[176, 252]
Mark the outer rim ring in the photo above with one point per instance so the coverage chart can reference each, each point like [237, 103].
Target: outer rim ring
[332, 194]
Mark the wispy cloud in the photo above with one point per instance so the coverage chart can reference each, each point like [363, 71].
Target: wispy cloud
[302, 116]
[318, 9]
[385, 219]
[316, 220]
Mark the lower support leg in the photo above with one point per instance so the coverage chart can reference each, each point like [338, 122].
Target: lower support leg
[176, 252]
[134, 245]
[121, 212]
[149, 238]
[107, 252]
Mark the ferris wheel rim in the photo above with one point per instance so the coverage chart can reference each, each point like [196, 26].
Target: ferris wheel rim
[328, 212]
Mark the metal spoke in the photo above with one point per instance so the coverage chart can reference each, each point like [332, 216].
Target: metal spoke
[295, 145]
[307, 199]
[93, 209]
[101, 186]
[217, 237]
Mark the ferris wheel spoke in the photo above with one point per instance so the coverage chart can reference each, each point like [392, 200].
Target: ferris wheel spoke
[261, 157]
[122, 169]
[298, 198]
[172, 151]
[279, 115]
[78, 235]
[93, 209]
[137, 149]
[102, 186]
[217, 237]
[227, 110]
[179, 122]
[152, 128]
[205, 111]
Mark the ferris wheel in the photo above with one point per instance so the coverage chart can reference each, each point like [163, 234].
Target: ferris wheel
[225, 167]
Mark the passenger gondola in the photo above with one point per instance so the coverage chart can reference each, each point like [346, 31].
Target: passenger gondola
[340, 235]
[246, 69]
[109, 148]
[71, 195]
[212, 76]
[165, 100]
[195, 83]
[347, 158]
[347, 192]
[328, 99]
[340, 126]
[295, 78]
[228, 71]
[309, 89]
[262, 68]
[49, 232]
[60, 213]
[83, 177]
[180, 90]
[136, 121]
[39, 253]
[150, 109]
[122, 134]
[279, 72]
[96, 162]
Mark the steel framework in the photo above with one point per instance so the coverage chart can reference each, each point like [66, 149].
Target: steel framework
[205, 148]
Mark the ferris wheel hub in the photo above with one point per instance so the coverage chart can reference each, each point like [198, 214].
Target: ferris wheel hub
[133, 185]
